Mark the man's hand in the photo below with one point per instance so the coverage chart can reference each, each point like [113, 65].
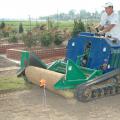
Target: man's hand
[96, 28]
[101, 32]
[99, 27]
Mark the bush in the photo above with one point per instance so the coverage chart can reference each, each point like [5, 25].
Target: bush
[6, 34]
[46, 38]
[78, 27]
[13, 39]
[58, 38]
[29, 39]
[21, 28]
[2, 25]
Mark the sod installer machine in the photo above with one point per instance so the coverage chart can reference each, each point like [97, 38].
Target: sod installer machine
[90, 69]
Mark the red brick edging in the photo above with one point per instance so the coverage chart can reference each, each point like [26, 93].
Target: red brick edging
[4, 47]
[42, 53]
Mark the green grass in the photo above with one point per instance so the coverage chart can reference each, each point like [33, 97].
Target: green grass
[61, 24]
[13, 83]
[66, 24]
[26, 24]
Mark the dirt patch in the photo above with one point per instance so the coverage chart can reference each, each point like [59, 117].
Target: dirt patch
[30, 105]
[6, 63]
[8, 73]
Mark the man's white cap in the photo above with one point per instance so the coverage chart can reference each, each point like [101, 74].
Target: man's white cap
[109, 4]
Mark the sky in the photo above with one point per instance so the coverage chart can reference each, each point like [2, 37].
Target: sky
[35, 8]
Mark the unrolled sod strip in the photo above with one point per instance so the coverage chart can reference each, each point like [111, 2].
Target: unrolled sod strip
[35, 74]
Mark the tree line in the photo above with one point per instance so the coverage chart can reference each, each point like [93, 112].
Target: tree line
[71, 15]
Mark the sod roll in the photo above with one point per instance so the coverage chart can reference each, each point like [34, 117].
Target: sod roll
[35, 74]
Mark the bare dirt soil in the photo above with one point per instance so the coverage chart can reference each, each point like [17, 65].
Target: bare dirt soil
[29, 105]
[6, 63]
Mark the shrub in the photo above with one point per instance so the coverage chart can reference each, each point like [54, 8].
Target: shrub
[2, 25]
[5, 34]
[78, 27]
[46, 38]
[13, 39]
[58, 38]
[29, 39]
[21, 28]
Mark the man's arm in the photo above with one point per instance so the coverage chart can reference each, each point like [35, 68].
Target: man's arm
[99, 28]
[107, 28]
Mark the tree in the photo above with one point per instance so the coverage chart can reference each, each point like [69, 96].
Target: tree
[2, 25]
[50, 24]
[83, 14]
[78, 27]
[21, 28]
[72, 14]
[119, 14]
[97, 15]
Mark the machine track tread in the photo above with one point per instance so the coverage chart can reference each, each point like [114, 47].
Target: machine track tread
[106, 85]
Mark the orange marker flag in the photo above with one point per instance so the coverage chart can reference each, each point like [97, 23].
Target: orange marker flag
[42, 83]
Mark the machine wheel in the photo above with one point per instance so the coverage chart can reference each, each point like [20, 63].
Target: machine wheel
[118, 89]
[96, 93]
[102, 93]
[109, 88]
[83, 94]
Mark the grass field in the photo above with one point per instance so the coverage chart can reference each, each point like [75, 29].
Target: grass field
[13, 83]
[30, 24]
